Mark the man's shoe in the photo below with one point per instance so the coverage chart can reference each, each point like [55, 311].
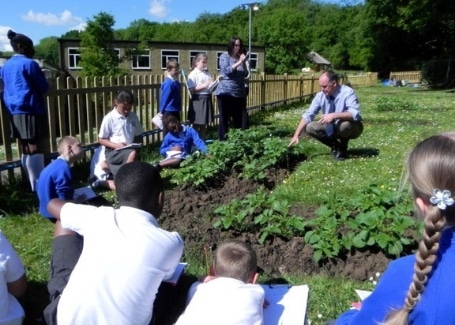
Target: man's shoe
[340, 155]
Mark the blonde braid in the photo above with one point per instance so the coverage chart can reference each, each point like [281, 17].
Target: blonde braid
[426, 256]
[431, 166]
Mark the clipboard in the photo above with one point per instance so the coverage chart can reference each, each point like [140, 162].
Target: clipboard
[287, 304]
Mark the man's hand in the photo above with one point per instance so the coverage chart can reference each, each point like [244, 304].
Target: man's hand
[294, 140]
[327, 118]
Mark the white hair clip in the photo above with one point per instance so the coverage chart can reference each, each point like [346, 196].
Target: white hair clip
[442, 199]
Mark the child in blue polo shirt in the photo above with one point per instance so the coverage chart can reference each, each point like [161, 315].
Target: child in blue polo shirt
[178, 142]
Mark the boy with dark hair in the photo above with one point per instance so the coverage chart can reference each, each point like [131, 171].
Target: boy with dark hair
[126, 255]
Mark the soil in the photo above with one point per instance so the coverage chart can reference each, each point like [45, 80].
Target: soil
[188, 212]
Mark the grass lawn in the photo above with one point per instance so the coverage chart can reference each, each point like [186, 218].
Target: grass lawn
[395, 119]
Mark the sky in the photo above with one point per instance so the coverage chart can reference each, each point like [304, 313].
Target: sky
[44, 18]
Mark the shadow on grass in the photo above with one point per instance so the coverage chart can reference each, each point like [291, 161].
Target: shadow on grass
[364, 152]
[34, 302]
[169, 304]
[16, 198]
[170, 300]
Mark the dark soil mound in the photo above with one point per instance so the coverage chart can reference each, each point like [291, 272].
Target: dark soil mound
[188, 211]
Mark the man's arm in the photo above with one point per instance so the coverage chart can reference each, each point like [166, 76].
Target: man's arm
[331, 117]
[353, 107]
[308, 116]
[298, 131]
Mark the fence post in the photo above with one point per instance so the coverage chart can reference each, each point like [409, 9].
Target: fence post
[312, 84]
[263, 88]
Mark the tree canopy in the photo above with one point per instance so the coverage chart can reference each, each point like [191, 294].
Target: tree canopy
[370, 35]
[98, 56]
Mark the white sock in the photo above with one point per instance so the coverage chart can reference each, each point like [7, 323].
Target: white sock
[34, 165]
[24, 159]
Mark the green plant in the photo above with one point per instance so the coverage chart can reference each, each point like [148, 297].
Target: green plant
[388, 104]
[383, 222]
[324, 235]
[375, 218]
[259, 212]
[249, 152]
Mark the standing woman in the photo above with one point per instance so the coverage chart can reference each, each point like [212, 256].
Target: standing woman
[200, 112]
[24, 88]
[231, 92]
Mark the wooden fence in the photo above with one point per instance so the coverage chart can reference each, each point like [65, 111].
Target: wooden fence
[77, 106]
[407, 77]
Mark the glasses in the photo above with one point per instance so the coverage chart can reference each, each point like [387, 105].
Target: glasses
[237, 45]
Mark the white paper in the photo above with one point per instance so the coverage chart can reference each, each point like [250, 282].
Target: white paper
[177, 273]
[131, 145]
[174, 154]
[363, 294]
[213, 85]
[287, 304]
[157, 120]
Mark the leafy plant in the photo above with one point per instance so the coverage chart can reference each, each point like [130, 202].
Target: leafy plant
[249, 152]
[324, 235]
[388, 103]
[262, 213]
[376, 218]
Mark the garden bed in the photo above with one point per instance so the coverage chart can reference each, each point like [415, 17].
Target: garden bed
[187, 211]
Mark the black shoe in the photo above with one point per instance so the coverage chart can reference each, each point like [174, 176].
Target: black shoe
[335, 148]
[340, 155]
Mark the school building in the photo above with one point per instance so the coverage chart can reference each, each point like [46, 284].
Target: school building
[153, 59]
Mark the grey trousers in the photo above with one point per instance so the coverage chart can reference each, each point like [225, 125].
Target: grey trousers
[346, 130]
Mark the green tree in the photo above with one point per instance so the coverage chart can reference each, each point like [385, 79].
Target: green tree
[208, 29]
[282, 31]
[72, 34]
[98, 56]
[48, 49]
[408, 32]
[140, 29]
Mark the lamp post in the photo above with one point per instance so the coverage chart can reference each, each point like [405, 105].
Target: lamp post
[251, 6]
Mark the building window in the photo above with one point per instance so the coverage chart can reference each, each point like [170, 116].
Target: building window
[167, 55]
[140, 60]
[74, 57]
[117, 51]
[193, 55]
[253, 61]
[218, 55]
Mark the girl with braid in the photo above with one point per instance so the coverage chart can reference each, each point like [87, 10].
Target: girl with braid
[419, 289]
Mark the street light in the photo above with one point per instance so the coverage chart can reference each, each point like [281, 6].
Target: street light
[251, 6]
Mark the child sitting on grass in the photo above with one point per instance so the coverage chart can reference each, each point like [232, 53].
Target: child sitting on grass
[417, 289]
[229, 294]
[178, 142]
